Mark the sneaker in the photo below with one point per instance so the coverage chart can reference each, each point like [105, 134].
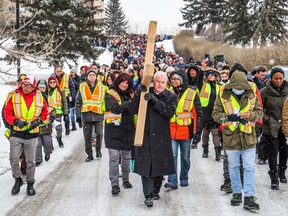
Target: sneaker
[193, 146]
[171, 185]
[250, 204]
[38, 164]
[226, 186]
[156, 196]
[127, 184]
[282, 177]
[47, 157]
[88, 159]
[184, 183]
[261, 162]
[115, 189]
[149, 201]
[236, 199]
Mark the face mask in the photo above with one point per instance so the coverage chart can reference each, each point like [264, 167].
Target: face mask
[238, 92]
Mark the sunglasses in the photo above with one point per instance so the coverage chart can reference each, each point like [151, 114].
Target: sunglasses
[26, 85]
[210, 74]
[52, 82]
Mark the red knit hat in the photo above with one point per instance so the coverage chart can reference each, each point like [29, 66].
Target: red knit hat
[53, 78]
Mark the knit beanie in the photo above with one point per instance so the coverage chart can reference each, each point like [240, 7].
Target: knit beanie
[91, 71]
[276, 70]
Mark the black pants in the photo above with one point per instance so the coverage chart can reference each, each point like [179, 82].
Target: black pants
[262, 147]
[151, 185]
[276, 145]
[87, 131]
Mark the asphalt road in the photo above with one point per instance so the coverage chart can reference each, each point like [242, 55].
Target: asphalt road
[79, 188]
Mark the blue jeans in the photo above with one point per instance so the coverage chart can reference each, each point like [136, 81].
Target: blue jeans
[72, 114]
[184, 158]
[248, 160]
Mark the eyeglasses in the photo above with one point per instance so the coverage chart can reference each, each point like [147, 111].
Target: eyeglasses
[58, 71]
[174, 79]
[52, 82]
[26, 85]
[210, 74]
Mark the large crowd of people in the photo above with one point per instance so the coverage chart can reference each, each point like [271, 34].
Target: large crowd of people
[187, 100]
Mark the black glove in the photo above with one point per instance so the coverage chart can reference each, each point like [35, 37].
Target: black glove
[66, 118]
[52, 118]
[196, 138]
[140, 88]
[150, 97]
[78, 120]
[19, 123]
[242, 121]
[232, 117]
[35, 124]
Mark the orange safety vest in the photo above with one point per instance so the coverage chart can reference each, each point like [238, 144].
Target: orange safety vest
[109, 116]
[64, 85]
[21, 111]
[92, 102]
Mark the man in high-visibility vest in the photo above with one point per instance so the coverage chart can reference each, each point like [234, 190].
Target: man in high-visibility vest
[67, 86]
[182, 126]
[237, 108]
[25, 111]
[90, 107]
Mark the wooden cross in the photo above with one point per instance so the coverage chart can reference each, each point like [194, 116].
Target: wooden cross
[147, 78]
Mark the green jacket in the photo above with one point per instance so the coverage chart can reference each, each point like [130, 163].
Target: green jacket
[237, 140]
[273, 101]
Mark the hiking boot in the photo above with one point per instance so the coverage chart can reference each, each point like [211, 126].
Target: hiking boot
[226, 186]
[250, 204]
[184, 183]
[127, 184]
[115, 189]
[218, 155]
[73, 127]
[47, 157]
[282, 177]
[17, 185]
[30, 189]
[205, 151]
[98, 153]
[149, 201]
[89, 158]
[59, 140]
[236, 199]
[156, 196]
[171, 185]
[67, 131]
[262, 162]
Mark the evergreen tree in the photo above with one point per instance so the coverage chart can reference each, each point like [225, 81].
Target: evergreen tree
[202, 12]
[269, 19]
[115, 18]
[65, 28]
[238, 24]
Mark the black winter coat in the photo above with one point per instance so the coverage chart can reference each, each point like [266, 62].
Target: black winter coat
[155, 158]
[119, 137]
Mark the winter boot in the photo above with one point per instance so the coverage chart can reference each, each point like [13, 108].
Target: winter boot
[274, 180]
[282, 176]
[250, 204]
[98, 153]
[73, 126]
[17, 185]
[205, 151]
[115, 189]
[149, 201]
[217, 153]
[132, 162]
[226, 186]
[59, 140]
[67, 131]
[236, 199]
[30, 189]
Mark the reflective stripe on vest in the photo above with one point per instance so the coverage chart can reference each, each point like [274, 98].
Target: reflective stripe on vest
[205, 92]
[184, 115]
[64, 85]
[109, 116]
[9, 95]
[92, 102]
[21, 111]
[231, 106]
[51, 104]
[57, 97]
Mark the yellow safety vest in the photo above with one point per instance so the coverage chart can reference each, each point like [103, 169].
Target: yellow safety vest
[57, 98]
[9, 95]
[92, 102]
[184, 115]
[205, 92]
[51, 104]
[21, 111]
[232, 106]
[109, 116]
[64, 85]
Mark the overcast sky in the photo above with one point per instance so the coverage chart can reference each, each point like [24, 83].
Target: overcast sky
[165, 12]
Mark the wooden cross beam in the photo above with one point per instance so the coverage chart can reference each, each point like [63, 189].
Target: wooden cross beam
[146, 80]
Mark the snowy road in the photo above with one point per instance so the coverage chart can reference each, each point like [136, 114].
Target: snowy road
[79, 188]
